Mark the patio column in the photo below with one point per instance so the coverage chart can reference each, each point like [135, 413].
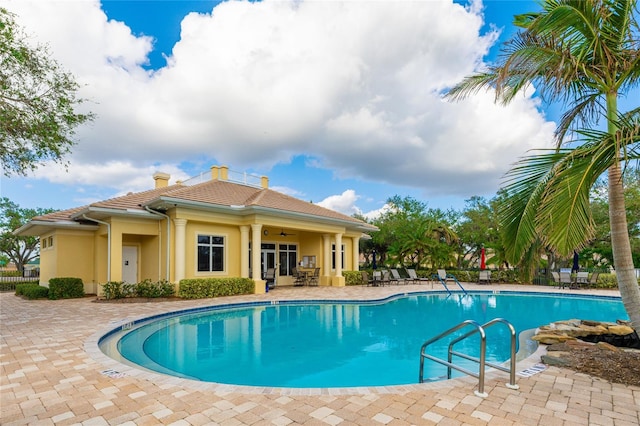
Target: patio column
[326, 260]
[338, 238]
[181, 226]
[355, 253]
[244, 251]
[256, 251]
[338, 280]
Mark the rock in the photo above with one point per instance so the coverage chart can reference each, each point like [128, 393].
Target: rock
[569, 345]
[549, 339]
[557, 361]
[607, 347]
[579, 344]
[620, 330]
[618, 334]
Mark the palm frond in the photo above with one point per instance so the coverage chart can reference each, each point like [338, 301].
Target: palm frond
[564, 218]
[525, 185]
[472, 85]
[585, 109]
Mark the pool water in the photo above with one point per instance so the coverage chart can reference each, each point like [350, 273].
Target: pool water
[340, 344]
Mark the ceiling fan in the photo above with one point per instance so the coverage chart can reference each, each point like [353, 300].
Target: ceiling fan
[285, 234]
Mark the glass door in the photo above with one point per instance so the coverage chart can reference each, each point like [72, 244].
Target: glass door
[268, 257]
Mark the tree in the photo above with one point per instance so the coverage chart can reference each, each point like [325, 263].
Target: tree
[583, 54]
[19, 250]
[598, 253]
[412, 234]
[37, 103]
[478, 228]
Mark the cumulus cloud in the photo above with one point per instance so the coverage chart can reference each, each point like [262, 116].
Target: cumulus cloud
[343, 203]
[357, 85]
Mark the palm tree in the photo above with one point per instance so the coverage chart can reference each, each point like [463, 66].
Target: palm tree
[583, 54]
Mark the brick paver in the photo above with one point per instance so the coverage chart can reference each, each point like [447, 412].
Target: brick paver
[53, 373]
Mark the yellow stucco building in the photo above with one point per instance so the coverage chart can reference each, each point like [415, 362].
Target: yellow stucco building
[205, 229]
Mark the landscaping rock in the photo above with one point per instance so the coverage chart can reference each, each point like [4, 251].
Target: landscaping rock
[607, 347]
[557, 361]
[618, 334]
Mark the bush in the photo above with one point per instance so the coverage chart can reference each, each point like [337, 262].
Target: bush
[118, 290]
[65, 288]
[32, 291]
[10, 274]
[201, 288]
[352, 278]
[148, 288]
[12, 285]
[608, 281]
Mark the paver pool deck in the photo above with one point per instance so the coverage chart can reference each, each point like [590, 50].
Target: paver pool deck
[53, 373]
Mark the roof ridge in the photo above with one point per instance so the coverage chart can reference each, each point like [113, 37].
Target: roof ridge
[254, 200]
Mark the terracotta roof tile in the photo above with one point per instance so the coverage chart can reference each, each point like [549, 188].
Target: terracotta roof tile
[59, 215]
[214, 192]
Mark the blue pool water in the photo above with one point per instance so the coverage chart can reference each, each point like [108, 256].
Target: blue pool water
[339, 344]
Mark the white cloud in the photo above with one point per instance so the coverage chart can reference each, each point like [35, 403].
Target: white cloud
[343, 203]
[122, 176]
[374, 214]
[355, 84]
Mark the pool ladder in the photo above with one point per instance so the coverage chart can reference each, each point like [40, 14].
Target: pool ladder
[483, 349]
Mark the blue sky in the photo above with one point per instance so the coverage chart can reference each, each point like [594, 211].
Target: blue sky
[337, 102]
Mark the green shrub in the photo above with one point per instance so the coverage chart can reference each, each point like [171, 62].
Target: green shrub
[32, 291]
[352, 278]
[200, 288]
[12, 285]
[607, 281]
[65, 288]
[10, 274]
[118, 290]
[151, 289]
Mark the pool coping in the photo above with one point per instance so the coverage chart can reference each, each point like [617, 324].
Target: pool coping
[114, 368]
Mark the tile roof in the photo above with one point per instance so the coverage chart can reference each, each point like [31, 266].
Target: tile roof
[214, 193]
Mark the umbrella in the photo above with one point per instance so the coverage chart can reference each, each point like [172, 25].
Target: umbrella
[373, 264]
[483, 260]
[576, 265]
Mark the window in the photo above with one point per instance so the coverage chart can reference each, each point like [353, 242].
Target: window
[210, 253]
[288, 258]
[44, 243]
[50, 241]
[333, 256]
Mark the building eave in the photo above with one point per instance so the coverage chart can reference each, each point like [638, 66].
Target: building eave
[103, 213]
[165, 203]
[38, 227]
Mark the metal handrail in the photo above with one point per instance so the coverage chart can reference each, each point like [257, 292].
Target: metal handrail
[481, 361]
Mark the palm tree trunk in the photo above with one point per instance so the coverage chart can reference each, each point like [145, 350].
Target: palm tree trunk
[622, 258]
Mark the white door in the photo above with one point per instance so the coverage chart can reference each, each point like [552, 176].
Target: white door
[130, 264]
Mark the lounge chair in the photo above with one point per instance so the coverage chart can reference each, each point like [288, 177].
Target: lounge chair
[593, 279]
[556, 278]
[381, 278]
[443, 277]
[396, 278]
[413, 276]
[484, 277]
[364, 277]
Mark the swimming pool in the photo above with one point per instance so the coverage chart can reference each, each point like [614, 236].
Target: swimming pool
[333, 343]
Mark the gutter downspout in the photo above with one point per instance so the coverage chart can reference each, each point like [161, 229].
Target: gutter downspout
[168, 235]
[108, 225]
